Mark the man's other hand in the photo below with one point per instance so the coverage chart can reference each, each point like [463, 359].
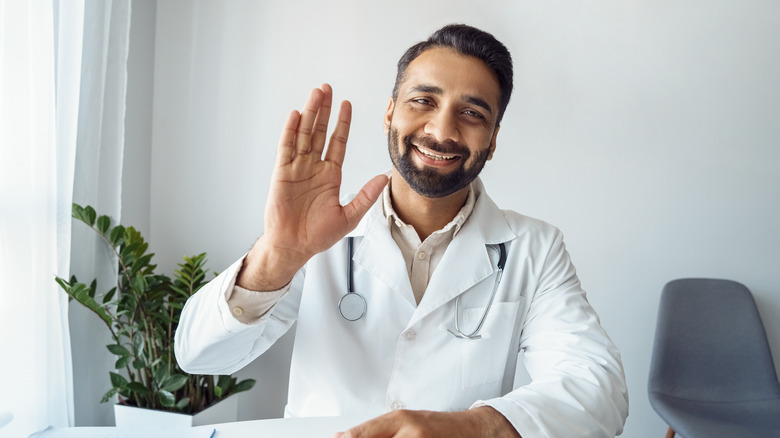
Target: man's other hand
[474, 423]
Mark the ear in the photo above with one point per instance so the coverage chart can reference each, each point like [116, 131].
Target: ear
[493, 142]
[389, 115]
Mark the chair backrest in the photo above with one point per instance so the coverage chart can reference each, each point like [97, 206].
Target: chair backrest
[710, 344]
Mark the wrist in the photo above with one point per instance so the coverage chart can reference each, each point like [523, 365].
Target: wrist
[268, 268]
[492, 423]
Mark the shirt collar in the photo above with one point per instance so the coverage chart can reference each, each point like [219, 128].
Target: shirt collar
[456, 222]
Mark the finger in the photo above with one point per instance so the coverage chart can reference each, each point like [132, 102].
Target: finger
[305, 126]
[367, 196]
[338, 140]
[321, 122]
[286, 149]
[379, 427]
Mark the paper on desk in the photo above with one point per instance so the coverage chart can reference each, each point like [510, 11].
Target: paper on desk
[123, 432]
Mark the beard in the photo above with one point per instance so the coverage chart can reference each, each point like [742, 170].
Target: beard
[427, 181]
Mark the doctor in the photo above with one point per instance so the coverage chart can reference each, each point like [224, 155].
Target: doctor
[413, 300]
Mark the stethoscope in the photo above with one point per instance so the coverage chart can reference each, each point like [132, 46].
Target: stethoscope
[352, 306]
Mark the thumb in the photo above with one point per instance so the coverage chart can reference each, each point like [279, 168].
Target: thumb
[370, 192]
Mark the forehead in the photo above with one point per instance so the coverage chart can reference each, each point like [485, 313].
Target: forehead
[453, 72]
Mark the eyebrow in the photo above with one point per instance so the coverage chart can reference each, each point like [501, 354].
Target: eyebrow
[432, 89]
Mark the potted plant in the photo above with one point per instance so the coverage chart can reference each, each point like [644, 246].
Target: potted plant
[142, 312]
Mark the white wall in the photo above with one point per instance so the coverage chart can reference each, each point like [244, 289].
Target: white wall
[647, 131]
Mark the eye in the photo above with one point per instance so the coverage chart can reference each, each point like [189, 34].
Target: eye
[421, 101]
[474, 114]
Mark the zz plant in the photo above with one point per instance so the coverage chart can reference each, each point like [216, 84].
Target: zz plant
[142, 312]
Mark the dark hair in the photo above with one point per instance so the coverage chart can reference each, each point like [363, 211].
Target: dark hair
[469, 41]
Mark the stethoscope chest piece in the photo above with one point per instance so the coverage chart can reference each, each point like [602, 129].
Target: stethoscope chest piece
[352, 306]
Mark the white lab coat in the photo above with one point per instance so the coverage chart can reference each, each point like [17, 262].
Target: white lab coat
[399, 355]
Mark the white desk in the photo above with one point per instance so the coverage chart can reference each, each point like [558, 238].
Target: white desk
[314, 427]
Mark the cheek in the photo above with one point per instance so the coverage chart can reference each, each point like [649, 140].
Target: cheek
[407, 121]
[480, 144]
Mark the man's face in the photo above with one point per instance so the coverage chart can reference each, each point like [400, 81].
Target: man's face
[441, 128]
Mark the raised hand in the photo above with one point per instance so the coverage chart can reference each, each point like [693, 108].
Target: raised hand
[303, 215]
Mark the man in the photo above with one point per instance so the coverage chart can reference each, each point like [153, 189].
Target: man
[448, 289]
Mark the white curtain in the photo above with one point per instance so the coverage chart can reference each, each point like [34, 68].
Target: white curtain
[35, 188]
[98, 182]
[62, 96]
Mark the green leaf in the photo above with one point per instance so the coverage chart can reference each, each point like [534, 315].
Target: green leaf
[118, 350]
[122, 362]
[244, 385]
[63, 284]
[84, 214]
[138, 343]
[109, 395]
[175, 382]
[137, 388]
[185, 277]
[139, 363]
[80, 293]
[218, 391]
[117, 235]
[184, 294]
[90, 215]
[143, 261]
[103, 223]
[76, 211]
[108, 295]
[128, 249]
[198, 277]
[93, 288]
[166, 398]
[183, 404]
[118, 380]
[139, 282]
[160, 374]
[225, 382]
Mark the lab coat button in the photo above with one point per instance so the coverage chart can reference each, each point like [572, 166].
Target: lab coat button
[396, 405]
[410, 335]
[238, 311]
[421, 256]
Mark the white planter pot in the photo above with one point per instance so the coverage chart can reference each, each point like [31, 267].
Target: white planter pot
[225, 411]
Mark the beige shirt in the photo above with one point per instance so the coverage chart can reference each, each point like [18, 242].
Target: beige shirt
[421, 258]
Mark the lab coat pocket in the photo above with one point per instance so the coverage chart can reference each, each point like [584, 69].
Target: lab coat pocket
[484, 360]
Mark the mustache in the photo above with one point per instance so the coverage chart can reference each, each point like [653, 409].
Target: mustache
[447, 147]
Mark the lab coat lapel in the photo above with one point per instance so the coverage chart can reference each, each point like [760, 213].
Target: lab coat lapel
[464, 264]
[466, 261]
[379, 255]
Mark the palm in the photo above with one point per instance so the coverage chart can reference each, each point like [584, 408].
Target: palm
[303, 212]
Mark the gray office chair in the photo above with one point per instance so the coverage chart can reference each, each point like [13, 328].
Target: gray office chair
[711, 373]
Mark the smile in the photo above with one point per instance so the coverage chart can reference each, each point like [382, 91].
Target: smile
[435, 155]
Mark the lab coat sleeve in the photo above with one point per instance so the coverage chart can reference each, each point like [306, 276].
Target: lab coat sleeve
[210, 340]
[578, 385]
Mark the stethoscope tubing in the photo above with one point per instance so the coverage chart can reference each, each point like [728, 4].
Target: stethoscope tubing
[458, 333]
[352, 305]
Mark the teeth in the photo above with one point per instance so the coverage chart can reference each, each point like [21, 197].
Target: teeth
[430, 154]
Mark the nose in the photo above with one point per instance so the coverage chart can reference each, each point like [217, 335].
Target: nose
[443, 126]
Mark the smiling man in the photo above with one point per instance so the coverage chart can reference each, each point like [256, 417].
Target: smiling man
[414, 300]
